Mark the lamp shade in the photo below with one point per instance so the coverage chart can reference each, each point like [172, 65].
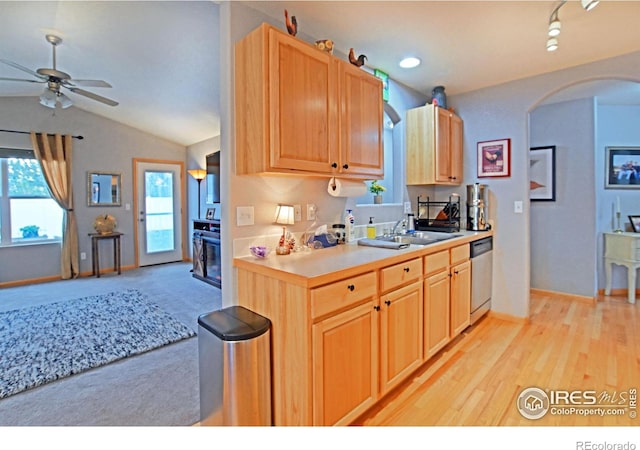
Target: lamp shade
[284, 215]
[554, 28]
[198, 174]
[552, 45]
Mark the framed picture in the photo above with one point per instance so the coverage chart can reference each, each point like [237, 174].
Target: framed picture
[494, 158]
[542, 173]
[622, 167]
[210, 213]
[635, 223]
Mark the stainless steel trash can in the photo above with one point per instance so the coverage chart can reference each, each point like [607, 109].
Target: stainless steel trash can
[234, 367]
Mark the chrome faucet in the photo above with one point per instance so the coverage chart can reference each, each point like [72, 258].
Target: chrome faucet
[394, 230]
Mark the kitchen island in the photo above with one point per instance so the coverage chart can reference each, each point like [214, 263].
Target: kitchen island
[350, 323]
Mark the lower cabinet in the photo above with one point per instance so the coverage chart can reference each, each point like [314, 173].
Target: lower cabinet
[436, 312]
[401, 334]
[460, 297]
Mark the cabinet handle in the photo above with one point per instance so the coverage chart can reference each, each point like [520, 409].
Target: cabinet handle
[334, 165]
[456, 272]
[351, 287]
[406, 269]
[377, 308]
[345, 166]
[387, 302]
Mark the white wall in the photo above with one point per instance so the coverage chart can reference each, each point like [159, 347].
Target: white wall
[563, 232]
[107, 147]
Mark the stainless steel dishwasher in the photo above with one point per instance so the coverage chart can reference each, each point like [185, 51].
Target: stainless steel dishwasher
[481, 277]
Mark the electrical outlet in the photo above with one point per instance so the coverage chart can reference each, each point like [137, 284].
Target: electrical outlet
[297, 213]
[83, 256]
[407, 207]
[311, 211]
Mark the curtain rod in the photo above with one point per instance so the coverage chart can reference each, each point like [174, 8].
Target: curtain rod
[28, 132]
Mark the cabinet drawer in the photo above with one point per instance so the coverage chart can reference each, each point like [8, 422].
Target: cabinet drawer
[460, 253]
[400, 274]
[436, 262]
[342, 294]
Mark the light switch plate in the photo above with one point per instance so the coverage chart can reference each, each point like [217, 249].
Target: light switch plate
[517, 206]
[311, 211]
[297, 213]
[244, 215]
[407, 207]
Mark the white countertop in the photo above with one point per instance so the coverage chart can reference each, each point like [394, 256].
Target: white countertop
[314, 267]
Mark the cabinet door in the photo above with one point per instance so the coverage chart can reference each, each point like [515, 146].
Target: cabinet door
[345, 365]
[455, 150]
[443, 156]
[460, 297]
[361, 149]
[401, 331]
[303, 106]
[436, 312]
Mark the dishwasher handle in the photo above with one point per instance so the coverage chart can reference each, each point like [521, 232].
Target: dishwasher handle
[481, 246]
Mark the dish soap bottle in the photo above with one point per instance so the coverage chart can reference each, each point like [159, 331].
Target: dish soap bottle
[371, 229]
[349, 222]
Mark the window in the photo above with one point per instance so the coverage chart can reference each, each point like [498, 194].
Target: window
[28, 214]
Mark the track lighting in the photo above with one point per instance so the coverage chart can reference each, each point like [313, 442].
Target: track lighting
[555, 25]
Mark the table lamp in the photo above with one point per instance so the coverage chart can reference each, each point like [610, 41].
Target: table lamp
[284, 216]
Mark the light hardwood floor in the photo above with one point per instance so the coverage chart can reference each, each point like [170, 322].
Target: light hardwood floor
[566, 345]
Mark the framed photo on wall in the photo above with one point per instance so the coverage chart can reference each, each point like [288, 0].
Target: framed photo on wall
[635, 223]
[494, 158]
[622, 167]
[542, 173]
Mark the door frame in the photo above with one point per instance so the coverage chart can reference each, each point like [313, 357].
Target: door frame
[183, 202]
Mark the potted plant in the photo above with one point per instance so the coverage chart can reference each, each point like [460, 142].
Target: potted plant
[376, 189]
[30, 231]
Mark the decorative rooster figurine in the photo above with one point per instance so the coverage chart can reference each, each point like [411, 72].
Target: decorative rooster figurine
[356, 62]
[292, 25]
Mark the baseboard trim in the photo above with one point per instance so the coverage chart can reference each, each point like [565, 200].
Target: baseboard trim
[508, 317]
[107, 271]
[565, 296]
[619, 292]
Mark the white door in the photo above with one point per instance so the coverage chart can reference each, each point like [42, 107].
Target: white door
[159, 212]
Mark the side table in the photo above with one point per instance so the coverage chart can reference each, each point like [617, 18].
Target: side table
[95, 255]
[622, 249]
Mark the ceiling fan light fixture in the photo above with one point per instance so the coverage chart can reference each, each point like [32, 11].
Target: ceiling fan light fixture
[552, 44]
[588, 5]
[48, 98]
[64, 101]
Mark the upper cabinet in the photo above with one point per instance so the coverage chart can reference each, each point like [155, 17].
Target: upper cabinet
[434, 146]
[302, 111]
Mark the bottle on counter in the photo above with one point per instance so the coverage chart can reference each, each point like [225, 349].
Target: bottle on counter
[349, 225]
[371, 229]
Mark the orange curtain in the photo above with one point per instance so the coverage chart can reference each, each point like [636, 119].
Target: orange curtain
[54, 152]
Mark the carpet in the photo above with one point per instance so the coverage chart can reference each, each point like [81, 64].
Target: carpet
[48, 342]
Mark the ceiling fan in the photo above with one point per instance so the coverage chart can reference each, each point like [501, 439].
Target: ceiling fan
[56, 80]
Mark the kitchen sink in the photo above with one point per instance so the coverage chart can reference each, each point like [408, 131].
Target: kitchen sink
[419, 237]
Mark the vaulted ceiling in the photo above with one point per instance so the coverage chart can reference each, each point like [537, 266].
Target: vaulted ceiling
[162, 57]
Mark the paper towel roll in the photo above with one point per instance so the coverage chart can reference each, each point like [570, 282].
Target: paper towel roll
[346, 188]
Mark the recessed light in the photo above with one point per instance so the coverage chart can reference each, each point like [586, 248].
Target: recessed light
[409, 63]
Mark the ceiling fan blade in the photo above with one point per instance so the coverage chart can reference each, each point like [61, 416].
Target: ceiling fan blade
[24, 69]
[93, 96]
[22, 79]
[90, 83]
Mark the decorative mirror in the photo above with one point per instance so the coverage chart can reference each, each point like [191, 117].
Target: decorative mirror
[103, 189]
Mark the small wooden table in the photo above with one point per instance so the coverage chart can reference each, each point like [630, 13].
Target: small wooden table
[95, 255]
[622, 249]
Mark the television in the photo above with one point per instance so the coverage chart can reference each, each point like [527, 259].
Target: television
[213, 178]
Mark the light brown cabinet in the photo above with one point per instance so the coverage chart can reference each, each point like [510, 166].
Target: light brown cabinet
[302, 111]
[434, 146]
[460, 289]
[436, 303]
